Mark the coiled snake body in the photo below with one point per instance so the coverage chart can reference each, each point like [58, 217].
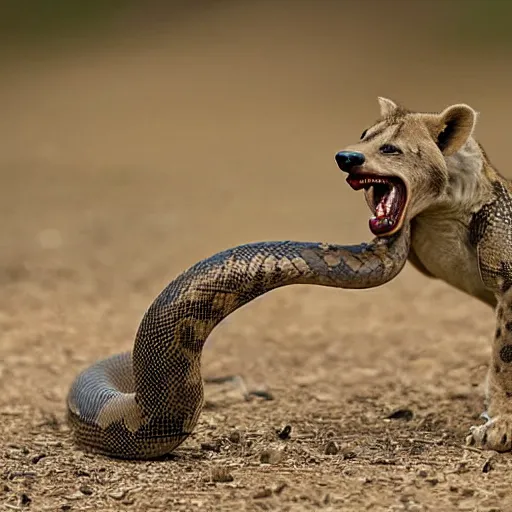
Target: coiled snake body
[144, 404]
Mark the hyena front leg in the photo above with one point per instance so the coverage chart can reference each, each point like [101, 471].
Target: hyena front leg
[496, 433]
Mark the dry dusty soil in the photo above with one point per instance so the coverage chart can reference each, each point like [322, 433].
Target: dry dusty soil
[117, 173]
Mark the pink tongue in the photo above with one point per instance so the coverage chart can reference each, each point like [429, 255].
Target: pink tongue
[380, 224]
[382, 220]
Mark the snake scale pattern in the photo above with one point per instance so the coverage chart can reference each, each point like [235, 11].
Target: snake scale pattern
[143, 404]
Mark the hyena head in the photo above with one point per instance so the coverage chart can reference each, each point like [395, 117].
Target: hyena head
[408, 162]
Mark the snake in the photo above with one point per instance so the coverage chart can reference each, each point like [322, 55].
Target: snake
[143, 404]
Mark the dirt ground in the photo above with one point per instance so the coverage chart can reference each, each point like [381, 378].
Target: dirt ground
[123, 164]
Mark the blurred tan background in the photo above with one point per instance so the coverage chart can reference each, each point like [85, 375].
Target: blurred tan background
[139, 137]
[230, 102]
[221, 116]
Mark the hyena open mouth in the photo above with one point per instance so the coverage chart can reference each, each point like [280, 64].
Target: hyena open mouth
[388, 198]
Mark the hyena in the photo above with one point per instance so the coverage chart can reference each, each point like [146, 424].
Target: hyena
[427, 169]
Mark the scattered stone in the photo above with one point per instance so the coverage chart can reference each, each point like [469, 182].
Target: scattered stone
[266, 395]
[401, 414]
[118, 495]
[461, 467]
[285, 432]
[211, 447]
[488, 465]
[422, 473]
[221, 475]
[85, 489]
[348, 454]
[406, 497]
[235, 437]
[383, 461]
[280, 488]
[77, 495]
[25, 500]
[16, 447]
[263, 493]
[331, 448]
[38, 457]
[271, 456]
[21, 474]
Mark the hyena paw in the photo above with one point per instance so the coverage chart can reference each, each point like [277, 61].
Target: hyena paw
[495, 434]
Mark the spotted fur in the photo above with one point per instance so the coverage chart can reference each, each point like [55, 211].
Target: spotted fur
[460, 210]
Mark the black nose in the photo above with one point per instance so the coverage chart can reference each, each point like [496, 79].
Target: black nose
[346, 160]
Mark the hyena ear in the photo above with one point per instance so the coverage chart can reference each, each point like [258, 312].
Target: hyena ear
[454, 127]
[387, 106]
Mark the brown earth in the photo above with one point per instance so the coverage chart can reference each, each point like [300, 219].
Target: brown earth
[123, 164]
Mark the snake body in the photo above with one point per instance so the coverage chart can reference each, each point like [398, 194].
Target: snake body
[143, 404]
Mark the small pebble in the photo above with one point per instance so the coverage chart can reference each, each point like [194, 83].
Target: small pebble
[85, 489]
[235, 437]
[331, 448]
[280, 488]
[77, 495]
[401, 414]
[285, 433]
[263, 493]
[488, 465]
[25, 500]
[211, 447]
[271, 456]
[22, 474]
[117, 495]
[37, 458]
[348, 454]
[221, 475]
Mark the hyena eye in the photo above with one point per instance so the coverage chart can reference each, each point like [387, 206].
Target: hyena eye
[389, 149]
[363, 135]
